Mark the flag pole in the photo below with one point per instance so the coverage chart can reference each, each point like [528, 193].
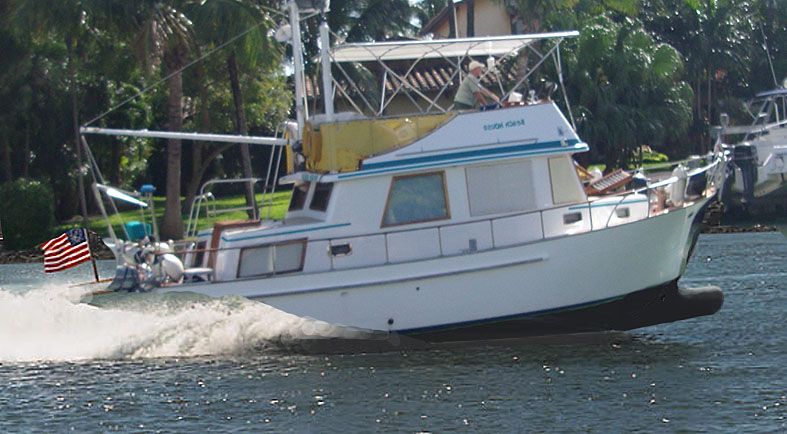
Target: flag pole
[92, 259]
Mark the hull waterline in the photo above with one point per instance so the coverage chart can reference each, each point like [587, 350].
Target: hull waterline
[658, 305]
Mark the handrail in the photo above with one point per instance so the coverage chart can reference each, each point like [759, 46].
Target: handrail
[438, 229]
[191, 226]
[710, 171]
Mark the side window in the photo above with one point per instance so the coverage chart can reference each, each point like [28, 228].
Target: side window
[416, 199]
[299, 193]
[565, 182]
[271, 259]
[322, 195]
[500, 188]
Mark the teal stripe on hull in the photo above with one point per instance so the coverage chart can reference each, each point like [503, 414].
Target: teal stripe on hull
[530, 150]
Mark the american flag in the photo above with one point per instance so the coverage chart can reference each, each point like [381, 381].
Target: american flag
[66, 251]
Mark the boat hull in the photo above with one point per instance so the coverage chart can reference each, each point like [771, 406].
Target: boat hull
[592, 281]
[659, 304]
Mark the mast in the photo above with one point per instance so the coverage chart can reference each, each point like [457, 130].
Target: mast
[297, 54]
[325, 59]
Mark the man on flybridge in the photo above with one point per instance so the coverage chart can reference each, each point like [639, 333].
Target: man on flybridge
[471, 94]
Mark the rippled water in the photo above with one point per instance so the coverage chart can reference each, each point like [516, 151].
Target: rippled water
[182, 363]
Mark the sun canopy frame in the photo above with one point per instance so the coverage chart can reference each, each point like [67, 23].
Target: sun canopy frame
[440, 48]
[454, 52]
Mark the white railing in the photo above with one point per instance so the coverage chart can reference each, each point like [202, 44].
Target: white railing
[504, 231]
[207, 198]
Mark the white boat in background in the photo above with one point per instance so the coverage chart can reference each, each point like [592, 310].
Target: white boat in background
[444, 224]
[759, 155]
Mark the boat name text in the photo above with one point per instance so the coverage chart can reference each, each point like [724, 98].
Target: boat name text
[507, 124]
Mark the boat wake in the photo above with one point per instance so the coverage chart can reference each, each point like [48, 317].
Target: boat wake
[51, 324]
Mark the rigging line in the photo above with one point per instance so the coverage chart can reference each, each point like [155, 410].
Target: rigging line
[768, 52]
[559, 66]
[162, 80]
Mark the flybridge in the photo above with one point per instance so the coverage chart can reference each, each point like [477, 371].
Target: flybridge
[399, 66]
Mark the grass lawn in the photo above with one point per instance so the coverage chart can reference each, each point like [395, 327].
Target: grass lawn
[275, 203]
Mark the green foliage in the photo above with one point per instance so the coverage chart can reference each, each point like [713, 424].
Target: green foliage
[278, 201]
[371, 20]
[717, 39]
[654, 157]
[627, 87]
[27, 214]
[425, 10]
[634, 84]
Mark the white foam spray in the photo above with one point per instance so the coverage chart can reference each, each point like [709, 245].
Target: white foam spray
[50, 324]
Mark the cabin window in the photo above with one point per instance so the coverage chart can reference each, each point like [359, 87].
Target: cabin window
[299, 193]
[416, 199]
[500, 188]
[322, 195]
[271, 259]
[565, 183]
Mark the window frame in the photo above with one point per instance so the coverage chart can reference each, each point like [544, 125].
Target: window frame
[447, 215]
[315, 195]
[302, 241]
[305, 196]
[552, 184]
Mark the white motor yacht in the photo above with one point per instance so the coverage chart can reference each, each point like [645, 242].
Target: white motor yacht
[443, 224]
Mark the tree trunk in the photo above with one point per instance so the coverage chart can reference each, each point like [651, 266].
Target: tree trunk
[26, 150]
[195, 178]
[8, 174]
[470, 18]
[172, 226]
[243, 130]
[699, 98]
[199, 168]
[451, 19]
[72, 76]
[199, 161]
[197, 171]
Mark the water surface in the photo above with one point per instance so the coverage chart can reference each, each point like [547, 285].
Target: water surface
[186, 364]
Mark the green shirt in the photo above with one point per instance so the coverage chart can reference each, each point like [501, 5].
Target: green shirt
[467, 89]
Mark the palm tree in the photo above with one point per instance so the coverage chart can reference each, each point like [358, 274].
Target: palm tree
[425, 10]
[716, 39]
[371, 20]
[628, 88]
[163, 35]
[220, 21]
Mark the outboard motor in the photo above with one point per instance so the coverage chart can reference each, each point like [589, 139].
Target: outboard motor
[744, 156]
[147, 266]
[170, 268]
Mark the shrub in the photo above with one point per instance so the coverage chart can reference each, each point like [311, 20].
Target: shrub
[27, 213]
[654, 157]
